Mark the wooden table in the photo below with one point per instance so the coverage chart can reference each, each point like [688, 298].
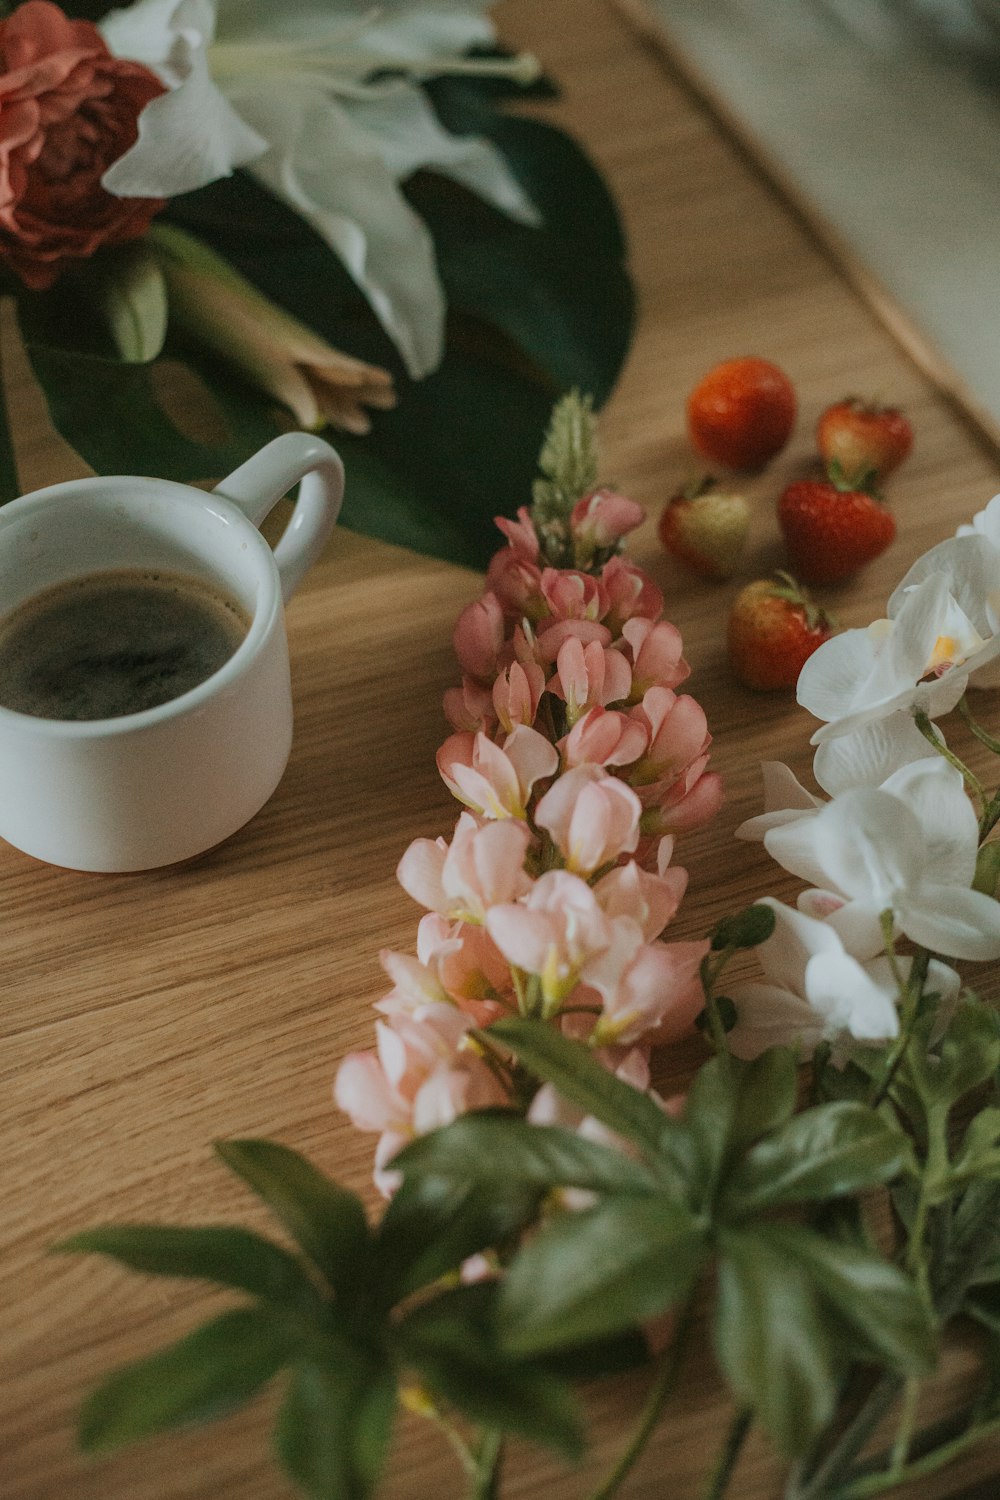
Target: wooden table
[146, 1016]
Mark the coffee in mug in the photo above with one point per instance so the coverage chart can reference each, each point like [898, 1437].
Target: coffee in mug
[113, 643]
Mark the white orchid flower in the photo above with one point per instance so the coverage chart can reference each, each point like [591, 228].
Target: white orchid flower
[910, 852]
[970, 561]
[917, 661]
[813, 990]
[871, 756]
[285, 88]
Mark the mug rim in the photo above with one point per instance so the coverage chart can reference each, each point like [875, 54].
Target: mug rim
[267, 614]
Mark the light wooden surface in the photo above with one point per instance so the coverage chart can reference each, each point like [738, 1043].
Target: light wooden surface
[146, 1016]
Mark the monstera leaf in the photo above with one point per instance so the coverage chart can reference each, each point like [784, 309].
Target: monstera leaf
[533, 311]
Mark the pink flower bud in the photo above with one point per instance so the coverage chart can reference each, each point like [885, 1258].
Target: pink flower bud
[479, 637]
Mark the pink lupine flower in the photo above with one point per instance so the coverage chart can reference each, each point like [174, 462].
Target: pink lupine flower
[683, 803]
[555, 933]
[469, 708]
[657, 655]
[517, 693]
[552, 635]
[572, 595]
[414, 984]
[659, 995]
[651, 900]
[600, 520]
[481, 867]
[678, 733]
[630, 593]
[589, 676]
[496, 781]
[604, 737]
[475, 974]
[517, 583]
[592, 817]
[479, 636]
[522, 538]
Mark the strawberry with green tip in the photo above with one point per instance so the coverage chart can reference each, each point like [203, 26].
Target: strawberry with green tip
[867, 440]
[832, 527]
[706, 529]
[774, 627]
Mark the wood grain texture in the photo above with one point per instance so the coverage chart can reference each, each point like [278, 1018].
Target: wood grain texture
[146, 1016]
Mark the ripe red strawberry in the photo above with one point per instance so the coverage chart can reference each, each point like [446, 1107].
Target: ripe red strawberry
[706, 530]
[774, 627]
[832, 529]
[866, 440]
[741, 413]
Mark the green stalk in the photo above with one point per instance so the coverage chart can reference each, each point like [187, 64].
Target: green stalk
[923, 723]
[722, 1470]
[977, 729]
[852, 1440]
[656, 1399]
[929, 1463]
[486, 1482]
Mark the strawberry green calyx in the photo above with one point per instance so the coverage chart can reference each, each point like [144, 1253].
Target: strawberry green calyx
[849, 484]
[788, 588]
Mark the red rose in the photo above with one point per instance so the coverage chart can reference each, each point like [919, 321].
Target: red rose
[68, 109]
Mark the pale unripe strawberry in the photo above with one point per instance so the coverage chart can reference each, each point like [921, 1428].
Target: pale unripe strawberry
[706, 530]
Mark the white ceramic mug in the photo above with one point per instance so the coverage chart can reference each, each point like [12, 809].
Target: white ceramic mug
[152, 788]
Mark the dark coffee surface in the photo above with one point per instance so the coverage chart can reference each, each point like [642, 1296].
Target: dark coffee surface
[115, 643]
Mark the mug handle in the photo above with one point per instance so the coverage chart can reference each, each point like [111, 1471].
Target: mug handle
[257, 486]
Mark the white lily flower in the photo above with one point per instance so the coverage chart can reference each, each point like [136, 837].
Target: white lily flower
[285, 90]
[813, 990]
[910, 851]
[918, 660]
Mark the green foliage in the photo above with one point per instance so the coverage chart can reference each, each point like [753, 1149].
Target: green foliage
[335, 1321]
[534, 311]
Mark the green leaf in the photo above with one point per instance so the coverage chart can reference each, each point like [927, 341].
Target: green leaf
[231, 1256]
[744, 929]
[826, 1151]
[334, 1428]
[987, 874]
[732, 1103]
[452, 1342]
[575, 1072]
[979, 1154]
[599, 1272]
[327, 1221]
[878, 1303]
[212, 1371]
[773, 1341]
[967, 1056]
[433, 1224]
[500, 1149]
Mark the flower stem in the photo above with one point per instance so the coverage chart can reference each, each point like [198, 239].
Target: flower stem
[977, 729]
[486, 1484]
[923, 723]
[656, 1399]
[929, 1463]
[722, 1470]
[831, 1469]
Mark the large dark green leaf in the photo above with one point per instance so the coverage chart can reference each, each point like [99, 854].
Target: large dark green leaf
[325, 1219]
[507, 1152]
[452, 1342]
[212, 1371]
[772, 1339]
[732, 1103]
[334, 1427]
[599, 1272]
[877, 1302]
[435, 1223]
[826, 1151]
[575, 1072]
[231, 1256]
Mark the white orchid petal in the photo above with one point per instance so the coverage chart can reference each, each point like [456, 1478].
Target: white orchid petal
[188, 137]
[968, 565]
[796, 937]
[869, 755]
[849, 999]
[331, 173]
[856, 924]
[411, 136]
[768, 1015]
[934, 791]
[833, 674]
[958, 923]
[793, 845]
[147, 31]
[869, 843]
